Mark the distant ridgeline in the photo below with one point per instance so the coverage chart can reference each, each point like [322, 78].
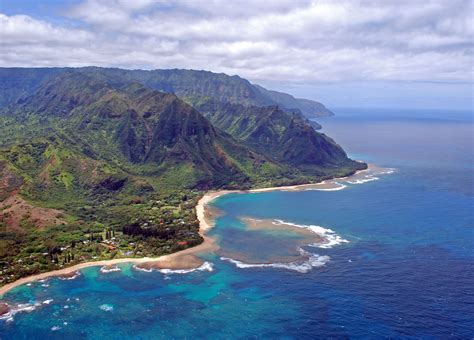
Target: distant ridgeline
[88, 151]
[192, 85]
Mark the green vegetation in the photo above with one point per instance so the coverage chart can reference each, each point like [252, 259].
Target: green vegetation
[191, 84]
[95, 165]
[161, 225]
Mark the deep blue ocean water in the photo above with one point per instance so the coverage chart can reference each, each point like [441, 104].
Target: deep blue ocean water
[407, 271]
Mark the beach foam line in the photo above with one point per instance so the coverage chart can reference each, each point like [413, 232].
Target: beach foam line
[206, 266]
[313, 261]
[331, 238]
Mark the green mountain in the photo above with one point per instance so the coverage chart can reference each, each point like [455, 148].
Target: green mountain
[194, 85]
[90, 153]
[286, 138]
[141, 128]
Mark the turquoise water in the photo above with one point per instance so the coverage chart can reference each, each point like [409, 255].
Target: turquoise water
[407, 270]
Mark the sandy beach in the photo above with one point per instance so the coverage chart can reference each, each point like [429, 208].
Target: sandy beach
[180, 259]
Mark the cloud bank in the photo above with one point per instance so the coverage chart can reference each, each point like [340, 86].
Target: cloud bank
[305, 41]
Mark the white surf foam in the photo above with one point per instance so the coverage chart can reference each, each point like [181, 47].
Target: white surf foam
[331, 238]
[364, 180]
[20, 308]
[108, 269]
[368, 175]
[146, 270]
[386, 171]
[206, 266]
[313, 261]
[106, 307]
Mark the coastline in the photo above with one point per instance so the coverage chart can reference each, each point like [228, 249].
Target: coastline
[172, 260]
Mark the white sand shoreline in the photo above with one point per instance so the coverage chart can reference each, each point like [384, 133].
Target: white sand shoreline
[207, 245]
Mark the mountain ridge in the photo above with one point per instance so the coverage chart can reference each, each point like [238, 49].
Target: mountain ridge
[191, 84]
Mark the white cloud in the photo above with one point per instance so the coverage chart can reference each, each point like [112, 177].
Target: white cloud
[21, 29]
[295, 41]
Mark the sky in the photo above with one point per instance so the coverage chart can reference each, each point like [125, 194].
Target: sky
[414, 54]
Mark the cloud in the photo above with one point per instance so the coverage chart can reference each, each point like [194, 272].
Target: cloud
[21, 29]
[265, 41]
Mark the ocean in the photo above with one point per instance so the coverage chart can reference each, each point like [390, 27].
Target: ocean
[398, 260]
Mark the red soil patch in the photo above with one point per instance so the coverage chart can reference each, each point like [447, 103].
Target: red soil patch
[44, 175]
[14, 209]
[9, 182]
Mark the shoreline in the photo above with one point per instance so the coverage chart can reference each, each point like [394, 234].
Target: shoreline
[206, 245]
[204, 226]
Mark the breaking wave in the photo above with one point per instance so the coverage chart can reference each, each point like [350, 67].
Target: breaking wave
[331, 238]
[108, 269]
[20, 308]
[312, 261]
[206, 266]
[364, 180]
[371, 175]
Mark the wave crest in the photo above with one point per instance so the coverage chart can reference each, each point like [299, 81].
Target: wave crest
[109, 269]
[368, 178]
[312, 261]
[206, 266]
[331, 238]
